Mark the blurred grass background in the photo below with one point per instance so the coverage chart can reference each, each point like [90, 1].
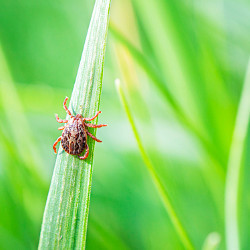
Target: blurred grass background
[183, 64]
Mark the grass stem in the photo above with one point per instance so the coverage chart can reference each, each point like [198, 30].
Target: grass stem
[234, 167]
[158, 184]
[160, 84]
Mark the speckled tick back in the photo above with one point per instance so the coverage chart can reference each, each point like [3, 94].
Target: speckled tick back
[74, 135]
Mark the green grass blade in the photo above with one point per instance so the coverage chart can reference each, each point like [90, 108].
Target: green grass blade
[234, 167]
[66, 213]
[159, 186]
[160, 84]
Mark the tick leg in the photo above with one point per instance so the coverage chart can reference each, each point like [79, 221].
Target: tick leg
[92, 118]
[55, 143]
[86, 153]
[65, 107]
[93, 137]
[95, 125]
[61, 128]
[60, 120]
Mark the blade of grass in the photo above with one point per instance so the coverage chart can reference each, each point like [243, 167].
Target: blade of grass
[234, 167]
[66, 213]
[150, 167]
[162, 87]
[216, 165]
[212, 178]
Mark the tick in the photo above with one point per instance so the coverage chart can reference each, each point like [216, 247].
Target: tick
[75, 133]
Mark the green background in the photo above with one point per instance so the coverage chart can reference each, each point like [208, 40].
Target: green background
[195, 50]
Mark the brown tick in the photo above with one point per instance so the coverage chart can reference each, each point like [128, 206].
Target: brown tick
[74, 135]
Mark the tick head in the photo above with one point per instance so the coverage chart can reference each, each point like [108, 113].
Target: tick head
[78, 116]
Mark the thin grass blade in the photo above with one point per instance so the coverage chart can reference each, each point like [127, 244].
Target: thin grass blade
[234, 167]
[161, 85]
[157, 181]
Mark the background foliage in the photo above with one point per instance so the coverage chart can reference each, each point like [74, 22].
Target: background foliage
[183, 66]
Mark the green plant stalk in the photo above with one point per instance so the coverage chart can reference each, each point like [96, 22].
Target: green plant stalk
[161, 86]
[234, 167]
[66, 213]
[159, 186]
[209, 173]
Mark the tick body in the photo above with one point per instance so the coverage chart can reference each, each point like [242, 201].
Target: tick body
[75, 133]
